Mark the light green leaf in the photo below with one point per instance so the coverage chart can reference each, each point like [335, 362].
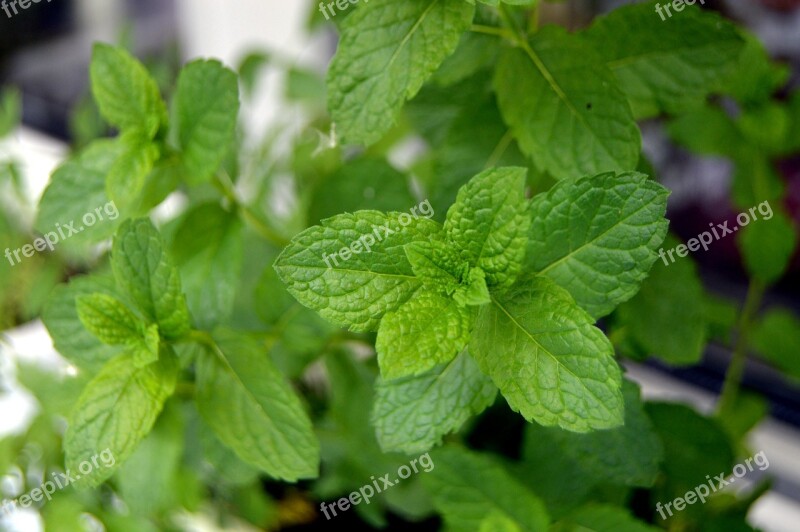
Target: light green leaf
[206, 109]
[467, 486]
[108, 319]
[124, 91]
[254, 411]
[145, 350]
[427, 330]
[550, 363]
[78, 187]
[756, 76]
[116, 411]
[650, 317]
[10, 111]
[127, 176]
[777, 337]
[767, 246]
[665, 66]
[489, 222]
[143, 269]
[208, 245]
[473, 290]
[565, 108]
[413, 413]
[386, 52]
[352, 269]
[69, 335]
[498, 522]
[436, 264]
[597, 237]
[628, 456]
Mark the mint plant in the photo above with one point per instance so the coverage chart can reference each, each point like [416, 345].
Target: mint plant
[291, 333]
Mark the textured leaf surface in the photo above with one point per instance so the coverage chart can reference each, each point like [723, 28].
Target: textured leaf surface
[564, 107]
[108, 319]
[386, 52]
[412, 414]
[662, 66]
[206, 110]
[489, 222]
[124, 91]
[467, 486]
[69, 335]
[597, 237]
[355, 291]
[143, 269]
[254, 411]
[427, 330]
[116, 411]
[550, 363]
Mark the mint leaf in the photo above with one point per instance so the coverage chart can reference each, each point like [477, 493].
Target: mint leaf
[550, 363]
[208, 244]
[413, 413]
[206, 109]
[436, 264]
[425, 331]
[565, 108]
[252, 410]
[665, 67]
[386, 52]
[597, 237]
[489, 222]
[127, 176]
[108, 319]
[352, 269]
[627, 456]
[777, 338]
[602, 518]
[115, 411]
[78, 187]
[143, 269]
[650, 318]
[467, 486]
[767, 246]
[124, 91]
[69, 335]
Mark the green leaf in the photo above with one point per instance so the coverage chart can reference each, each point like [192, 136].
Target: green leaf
[143, 269]
[10, 111]
[427, 330]
[108, 319]
[145, 351]
[550, 363]
[127, 176]
[386, 52]
[650, 317]
[756, 77]
[665, 67]
[116, 411]
[208, 245]
[498, 522]
[707, 130]
[777, 338]
[628, 456]
[126, 94]
[489, 222]
[76, 188]
[206, 109]
[352, 269]
[436, 264]
[597, 237]
[69, 335]
[767, 245]
[467, 486]
[565, 108]
[413, 413]
[254, 411]
[602, 518]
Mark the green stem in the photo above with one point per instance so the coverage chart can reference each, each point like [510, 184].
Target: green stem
[225, 185]
[733, 377]
[491, 30]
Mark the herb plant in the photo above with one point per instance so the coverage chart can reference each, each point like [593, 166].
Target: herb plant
[260, 352]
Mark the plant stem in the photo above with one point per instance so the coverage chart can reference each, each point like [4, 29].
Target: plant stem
[226, 187]
[733, 377]
[491, 30]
